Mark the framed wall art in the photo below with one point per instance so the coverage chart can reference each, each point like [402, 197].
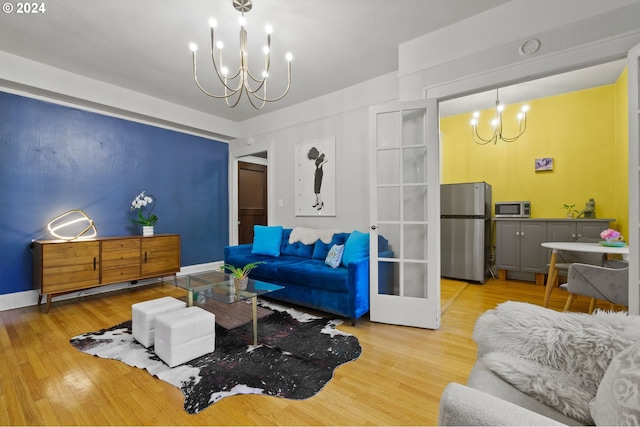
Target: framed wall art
[315, 170]
[544, 164]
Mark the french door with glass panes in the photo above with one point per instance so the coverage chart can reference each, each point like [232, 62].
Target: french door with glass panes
[405, 223]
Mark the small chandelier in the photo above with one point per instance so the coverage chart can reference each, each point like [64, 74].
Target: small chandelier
[242, 80]
[497, 125]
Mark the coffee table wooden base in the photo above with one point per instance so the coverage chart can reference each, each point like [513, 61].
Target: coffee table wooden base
[231, 316]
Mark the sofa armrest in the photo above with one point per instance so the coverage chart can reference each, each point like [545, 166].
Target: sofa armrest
[230, 251]
[465, 406]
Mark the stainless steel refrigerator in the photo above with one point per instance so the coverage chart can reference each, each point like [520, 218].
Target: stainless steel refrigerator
[465, 231]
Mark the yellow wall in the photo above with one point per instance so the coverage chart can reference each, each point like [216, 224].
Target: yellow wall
[585, 134]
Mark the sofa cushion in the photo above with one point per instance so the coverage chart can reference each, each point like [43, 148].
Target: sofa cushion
[296, 248]
[356, 247]
[484, 379]
[574, 348]
[314, 273]
[321, 249]
[267, 240]
[617, 401]
[267, 271]
[334, 257]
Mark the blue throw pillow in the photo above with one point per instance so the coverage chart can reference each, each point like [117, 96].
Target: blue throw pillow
[266, 240]
[357, 247]
[334, 256]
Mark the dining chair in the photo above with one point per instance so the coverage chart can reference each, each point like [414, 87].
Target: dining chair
[608, 283]
[566, 258]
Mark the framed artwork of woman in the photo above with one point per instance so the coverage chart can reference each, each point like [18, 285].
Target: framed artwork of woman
[316, 178]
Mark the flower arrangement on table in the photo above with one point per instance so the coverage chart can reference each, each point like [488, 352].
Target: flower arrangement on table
[141, 201]
[611, 236]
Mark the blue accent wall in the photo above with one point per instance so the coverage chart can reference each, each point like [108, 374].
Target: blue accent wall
[55, 158]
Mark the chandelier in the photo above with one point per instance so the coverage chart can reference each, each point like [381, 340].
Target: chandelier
[242, 80]
[497, 125]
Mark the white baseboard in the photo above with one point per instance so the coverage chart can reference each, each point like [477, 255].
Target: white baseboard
[29, 298]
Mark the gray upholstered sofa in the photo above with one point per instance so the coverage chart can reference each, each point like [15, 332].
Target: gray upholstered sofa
[537, 366]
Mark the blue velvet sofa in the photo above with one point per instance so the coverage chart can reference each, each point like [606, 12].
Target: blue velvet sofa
[308, 281]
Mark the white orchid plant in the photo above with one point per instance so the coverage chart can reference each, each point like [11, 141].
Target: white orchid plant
[141, 201]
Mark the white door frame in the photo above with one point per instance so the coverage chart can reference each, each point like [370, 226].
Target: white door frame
[634, 180]
[537, 69]
[238, 149]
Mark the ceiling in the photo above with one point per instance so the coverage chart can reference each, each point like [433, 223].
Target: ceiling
[597, 75]
[142, 45]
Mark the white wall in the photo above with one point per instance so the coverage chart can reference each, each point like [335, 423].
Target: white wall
[483, 51]
[30, 78]
[474, 54]
[343, 115]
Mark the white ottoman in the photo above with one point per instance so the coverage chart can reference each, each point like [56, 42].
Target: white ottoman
[143, 317]
[184, 335]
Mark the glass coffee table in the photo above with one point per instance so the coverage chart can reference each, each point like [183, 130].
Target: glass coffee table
[214, 291]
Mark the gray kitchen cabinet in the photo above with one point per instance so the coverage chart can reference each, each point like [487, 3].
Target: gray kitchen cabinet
[519, 249]
[571, 230]
[519, 252]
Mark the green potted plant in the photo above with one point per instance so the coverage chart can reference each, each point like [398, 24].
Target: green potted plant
[240, 274]
[569, 209]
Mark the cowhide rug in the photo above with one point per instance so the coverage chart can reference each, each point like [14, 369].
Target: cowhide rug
[295, 358]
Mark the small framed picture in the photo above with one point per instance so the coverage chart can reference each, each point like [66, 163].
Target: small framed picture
[544, 164]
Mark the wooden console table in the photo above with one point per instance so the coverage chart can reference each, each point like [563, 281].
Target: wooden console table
[61, 267]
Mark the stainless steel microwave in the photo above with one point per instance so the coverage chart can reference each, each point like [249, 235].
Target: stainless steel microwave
[520, 209]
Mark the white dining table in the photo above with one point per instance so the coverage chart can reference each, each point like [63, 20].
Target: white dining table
[575, 247]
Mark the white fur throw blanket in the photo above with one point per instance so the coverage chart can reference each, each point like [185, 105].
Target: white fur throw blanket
[557, 358]
[308, 236]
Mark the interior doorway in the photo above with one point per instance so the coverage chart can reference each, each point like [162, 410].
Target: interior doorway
[252, 195]
[535, 88]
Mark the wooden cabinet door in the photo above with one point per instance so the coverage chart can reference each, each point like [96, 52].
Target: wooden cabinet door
[120, 260]
[68, 266]
[160, 255]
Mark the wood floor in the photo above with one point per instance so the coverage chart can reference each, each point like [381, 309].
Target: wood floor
[397, 380]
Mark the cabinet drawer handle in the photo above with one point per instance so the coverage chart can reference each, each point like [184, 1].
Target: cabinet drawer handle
[145, 257]
[94, 263]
